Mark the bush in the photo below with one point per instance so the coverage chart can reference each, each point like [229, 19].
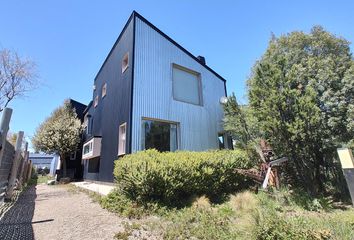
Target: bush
[42, 171]
[118, 203]
[172, 179]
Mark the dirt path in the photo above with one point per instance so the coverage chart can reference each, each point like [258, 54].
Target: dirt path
[53, 212]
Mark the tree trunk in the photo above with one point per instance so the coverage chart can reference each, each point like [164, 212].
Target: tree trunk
[64, 165]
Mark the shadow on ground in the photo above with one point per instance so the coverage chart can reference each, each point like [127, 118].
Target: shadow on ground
[17, 221]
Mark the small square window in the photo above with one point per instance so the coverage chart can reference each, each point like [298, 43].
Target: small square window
[122, 139]
[104, 90]
[96, 101]
[125, 62]
[73, 156]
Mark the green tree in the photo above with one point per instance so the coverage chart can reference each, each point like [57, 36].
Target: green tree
[60, 133]
[302, 93]
[238, 122]
[243, 127]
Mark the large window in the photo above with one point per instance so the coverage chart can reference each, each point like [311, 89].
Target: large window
[186, 85]
[93, 165]
[159, 135]
[122, 138]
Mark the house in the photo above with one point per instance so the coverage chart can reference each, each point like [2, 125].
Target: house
[150, 93]
[74, 168]
[41, 160]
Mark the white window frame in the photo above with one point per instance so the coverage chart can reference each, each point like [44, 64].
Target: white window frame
[96, 101]
[94, 148]
[122, 139]
[90, 144]
[199, 79]
[125, 62]
[104, 90]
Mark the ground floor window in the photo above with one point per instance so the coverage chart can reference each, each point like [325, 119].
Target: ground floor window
[159, 135]
[93, 165]
[225, 141]
[221, 141]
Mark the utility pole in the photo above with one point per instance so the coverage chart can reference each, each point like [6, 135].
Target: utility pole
[4, 128]
[15, 167]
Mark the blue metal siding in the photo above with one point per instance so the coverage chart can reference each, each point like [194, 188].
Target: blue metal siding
[152, 92]
[115, 107]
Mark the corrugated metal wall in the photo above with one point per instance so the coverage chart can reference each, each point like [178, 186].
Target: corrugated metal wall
[152, 92]
[115, 108]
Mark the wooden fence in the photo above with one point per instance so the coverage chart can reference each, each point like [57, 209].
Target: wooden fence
[15, 167]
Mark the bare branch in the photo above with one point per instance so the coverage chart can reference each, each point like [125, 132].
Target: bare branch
[17, 76]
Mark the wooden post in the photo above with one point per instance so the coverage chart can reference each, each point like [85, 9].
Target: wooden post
[4, 128]
[22, 166]
[15, 166]
[25, 173]
[29, 172]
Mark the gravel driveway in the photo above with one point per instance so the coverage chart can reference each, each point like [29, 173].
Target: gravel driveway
[53, 212]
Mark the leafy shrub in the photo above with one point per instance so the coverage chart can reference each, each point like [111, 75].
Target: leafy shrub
[196, 223]
[274, 227]
[244, 201]
[42, 171]
[172, 179]
[118, 203]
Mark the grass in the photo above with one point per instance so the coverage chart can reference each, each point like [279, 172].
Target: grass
[75, 190]
[276, 215]
[44, 179]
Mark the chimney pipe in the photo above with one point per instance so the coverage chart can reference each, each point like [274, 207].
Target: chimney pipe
[201, 60]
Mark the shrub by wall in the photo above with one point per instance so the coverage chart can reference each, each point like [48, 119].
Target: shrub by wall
[172, 178]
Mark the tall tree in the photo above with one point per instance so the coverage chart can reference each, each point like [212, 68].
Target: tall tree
[60, 133]
[302, 93]
[243, 127]
[17, 76]
[239, 122]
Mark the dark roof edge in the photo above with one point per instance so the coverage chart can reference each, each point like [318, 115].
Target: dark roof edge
[116, 42]
[88, 107]
[176, 44]
[72, 100]
[136, 14]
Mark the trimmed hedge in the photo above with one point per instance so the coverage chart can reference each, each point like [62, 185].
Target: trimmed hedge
[172, 178]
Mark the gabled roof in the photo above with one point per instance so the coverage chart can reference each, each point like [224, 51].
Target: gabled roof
[79, 108]
[136, 14]
[88, 107]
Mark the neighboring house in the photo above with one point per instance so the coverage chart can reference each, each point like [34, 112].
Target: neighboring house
[41, 160]
[150, 93]
[74, 161]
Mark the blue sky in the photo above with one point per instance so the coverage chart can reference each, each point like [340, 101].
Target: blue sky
[69, 40]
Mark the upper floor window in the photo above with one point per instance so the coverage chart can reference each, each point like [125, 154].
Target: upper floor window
[125, 62]
[73, 156]
[186, 85]
[122, 138]
[104, 90]
[96, 101]
[88, 121]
